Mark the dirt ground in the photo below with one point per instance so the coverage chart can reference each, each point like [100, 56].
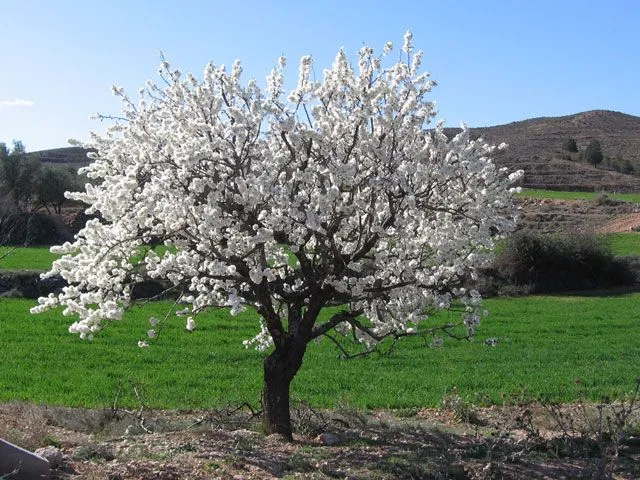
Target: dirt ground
[458, 442]
[577, 216]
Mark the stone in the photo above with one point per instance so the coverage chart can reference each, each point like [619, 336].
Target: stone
[328, 438]
[19, 464]
[53, 455]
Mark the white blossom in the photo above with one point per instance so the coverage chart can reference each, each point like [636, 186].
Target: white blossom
[336, 194]
[191, 324]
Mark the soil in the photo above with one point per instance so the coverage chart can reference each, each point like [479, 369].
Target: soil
[578, 216]
[622, 223]
[461, 442]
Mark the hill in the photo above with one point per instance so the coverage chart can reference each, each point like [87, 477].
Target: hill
[535, 146]
[76, 156]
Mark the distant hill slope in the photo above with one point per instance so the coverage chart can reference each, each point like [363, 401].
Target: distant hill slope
[535, 145]
[75, 156]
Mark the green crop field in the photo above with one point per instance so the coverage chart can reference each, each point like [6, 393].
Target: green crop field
[625, 243]
[545, 344]
[26, 258]
[561, 195]
[39, 258]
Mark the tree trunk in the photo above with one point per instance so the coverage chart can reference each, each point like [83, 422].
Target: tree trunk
[279, 369]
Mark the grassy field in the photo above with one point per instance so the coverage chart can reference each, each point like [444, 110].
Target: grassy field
[544, 345]
[625, 243]
[561, 195]
[26, 258]
[39, 258]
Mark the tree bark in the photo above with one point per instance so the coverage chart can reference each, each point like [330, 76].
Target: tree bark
[279, 369]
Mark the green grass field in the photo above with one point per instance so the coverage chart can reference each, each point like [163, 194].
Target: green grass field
[38, 258]
[31, 258]
[544, 344]
[561, 195]
[26, 258]
[625, 243]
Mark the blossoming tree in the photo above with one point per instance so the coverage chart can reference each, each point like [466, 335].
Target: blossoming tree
[333, 195]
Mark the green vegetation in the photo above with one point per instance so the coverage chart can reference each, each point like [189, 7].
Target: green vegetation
[28, 185]
[570, 145]
[562, 195]
[545, 343]
[40, 258]
[626, 243]
[26, 258]
[593, 153]
[534, 263]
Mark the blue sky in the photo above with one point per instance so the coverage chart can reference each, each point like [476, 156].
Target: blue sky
[495, 61]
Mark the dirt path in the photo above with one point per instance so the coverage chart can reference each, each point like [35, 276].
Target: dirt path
[623, 223]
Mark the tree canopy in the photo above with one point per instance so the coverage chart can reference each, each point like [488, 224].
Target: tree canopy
[335, 194]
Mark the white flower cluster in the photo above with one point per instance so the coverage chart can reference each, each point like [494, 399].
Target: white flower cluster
[335, 194]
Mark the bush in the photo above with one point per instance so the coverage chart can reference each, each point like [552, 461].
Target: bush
[570, 145]
[621, 165]
[545, 264]
[24, 229]
[604, 199]
[24, 284]
[593, 153]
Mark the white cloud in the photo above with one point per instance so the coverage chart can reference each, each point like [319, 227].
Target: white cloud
[18, 102]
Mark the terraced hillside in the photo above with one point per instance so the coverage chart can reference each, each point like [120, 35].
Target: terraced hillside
[535, 146]
[577, 216]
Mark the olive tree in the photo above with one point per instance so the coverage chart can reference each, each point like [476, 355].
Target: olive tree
[51, 183]
[335, 194]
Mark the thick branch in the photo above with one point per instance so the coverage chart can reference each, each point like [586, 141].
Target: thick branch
[334, 321]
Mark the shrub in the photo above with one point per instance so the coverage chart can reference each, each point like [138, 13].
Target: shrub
[570, 145]
[593, 153]
[621, 165]
[24, 229]
[554, 263]
[28, 284]
[605, 199]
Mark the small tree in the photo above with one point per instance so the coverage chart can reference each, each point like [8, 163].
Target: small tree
[334, 195]
[593, 153]
[570, 145]
[51, 183]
